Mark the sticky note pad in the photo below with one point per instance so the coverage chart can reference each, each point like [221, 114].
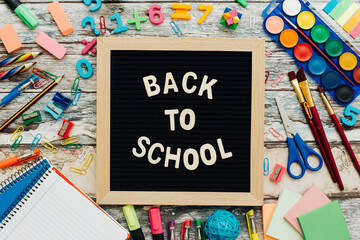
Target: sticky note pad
[9, 38]
[330, 6]
[312, 199]
[278, 227]
[352, 22]
[267, 212]
[347, 14]
[59, 16]
[50, 45]
[355, 32]
[340, 8]
[325, 223]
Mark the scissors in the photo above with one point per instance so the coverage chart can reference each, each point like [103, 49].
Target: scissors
[296, 145]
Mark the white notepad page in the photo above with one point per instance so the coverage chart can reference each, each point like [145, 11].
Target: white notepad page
[57, 210]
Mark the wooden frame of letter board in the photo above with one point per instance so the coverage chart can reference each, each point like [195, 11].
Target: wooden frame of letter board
[103, 193]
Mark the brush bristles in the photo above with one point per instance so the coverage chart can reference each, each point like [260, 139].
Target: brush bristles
[320, 88]
[300, 75]
[292, 75]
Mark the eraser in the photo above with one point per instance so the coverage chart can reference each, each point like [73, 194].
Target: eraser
[50, 45]
[60, 18]
[9, 38]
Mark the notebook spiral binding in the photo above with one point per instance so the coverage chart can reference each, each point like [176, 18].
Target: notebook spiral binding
[27, 192]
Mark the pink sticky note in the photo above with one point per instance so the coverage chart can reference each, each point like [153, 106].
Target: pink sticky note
[50, 45]
[267, 212]
[312, 199]
[355, 32]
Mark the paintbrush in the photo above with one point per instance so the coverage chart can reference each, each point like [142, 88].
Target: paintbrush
[304, 86]
[308, 115]
[318, 49]
[339, 128]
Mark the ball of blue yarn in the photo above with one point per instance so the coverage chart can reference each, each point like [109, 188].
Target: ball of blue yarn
[222, 225]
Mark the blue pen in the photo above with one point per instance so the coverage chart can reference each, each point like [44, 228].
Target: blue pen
[16, 91]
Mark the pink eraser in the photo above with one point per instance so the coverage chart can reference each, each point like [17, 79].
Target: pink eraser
[277, 173]
[50, 45]
[59, 16]
[355, 32]
[155, 220]
[9, 38]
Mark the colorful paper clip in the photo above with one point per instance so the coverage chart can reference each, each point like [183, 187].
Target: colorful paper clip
[266, 166]
[267, 73]
[73, 151]
[49, 146]
[170, 229]
[344, 159]
[41, 82]
[31, 117]
[85, 153]
[176, 29]
[53, 110]
[69, 141]
[102, 25]
[78, 170]
[75, 86]
[77, 97]
[268, 53]
[16, 143]
[65, 129]
[36, 140]
[88, 161]
[17, 133]
[252, 20]
[278, 79]
[73, 146]
[276, 134]
[50, 75]
[63, 101]
[40, 73]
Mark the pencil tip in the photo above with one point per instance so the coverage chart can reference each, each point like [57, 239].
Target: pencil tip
[41, 52]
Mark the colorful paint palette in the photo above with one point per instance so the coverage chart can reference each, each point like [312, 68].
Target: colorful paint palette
[338, 52]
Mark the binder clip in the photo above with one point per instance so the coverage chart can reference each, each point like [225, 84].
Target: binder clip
[277, 173]
[53, 110]
[63, 101]
[200, 229]
[185, 229]
[170, 229]
[65, 129]
[31, 117]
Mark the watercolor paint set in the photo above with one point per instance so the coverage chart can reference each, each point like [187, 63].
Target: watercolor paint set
[315, 47]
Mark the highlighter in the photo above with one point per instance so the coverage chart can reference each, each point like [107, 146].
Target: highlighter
[28, 18]
[156, 223]
[133, 223]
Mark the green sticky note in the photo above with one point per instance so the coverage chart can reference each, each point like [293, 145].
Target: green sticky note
[324, 223]
[340, 8]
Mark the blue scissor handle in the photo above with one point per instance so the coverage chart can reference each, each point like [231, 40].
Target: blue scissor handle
[306, 151]
[294, 157]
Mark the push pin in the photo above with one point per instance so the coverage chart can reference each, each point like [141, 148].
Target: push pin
[185, 229]
[65, 129]
[277, 173]
[89, 46]
[170, 229]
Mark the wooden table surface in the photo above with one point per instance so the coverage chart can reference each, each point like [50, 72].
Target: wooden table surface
[84, 114]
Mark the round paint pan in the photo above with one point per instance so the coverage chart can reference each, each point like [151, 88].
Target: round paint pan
[347, 61]
[274, 25]
[344, 93]
[356, 74]
[320, 33]
[330, 80]
[291, 7]
[333, 47]
[289, 38]
[305, 20]
[317, 65]
[303, 52]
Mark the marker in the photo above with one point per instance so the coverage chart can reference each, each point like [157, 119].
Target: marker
[250, 217]
[28, 18]
[133, 223]
[18, 160]
[156, 223]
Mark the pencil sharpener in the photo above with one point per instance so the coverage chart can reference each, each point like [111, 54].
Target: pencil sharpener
[53, 110]
[31, 117]
[277, 173]
[65, 129]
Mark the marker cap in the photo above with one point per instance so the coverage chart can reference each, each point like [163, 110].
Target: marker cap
[243, 3]
[155, 221]
[28, 18]
[131, 217]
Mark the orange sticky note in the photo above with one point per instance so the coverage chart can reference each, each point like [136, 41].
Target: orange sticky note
[267, 211]
[352, 22]
[59, 16]
[181, 11]
[207, 9]
[9, 38]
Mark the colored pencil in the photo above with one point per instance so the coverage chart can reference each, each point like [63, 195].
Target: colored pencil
[318, 49]
[20, 58]
[339, 128]
[304, 106]
[15, 70]
[304, 85]
[37, 97]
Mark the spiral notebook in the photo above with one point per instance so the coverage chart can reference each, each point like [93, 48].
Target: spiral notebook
[38, 202]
